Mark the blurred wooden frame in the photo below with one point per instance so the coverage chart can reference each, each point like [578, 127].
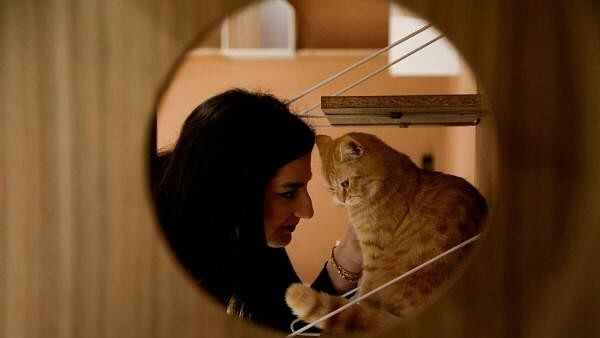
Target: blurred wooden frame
[80, 254]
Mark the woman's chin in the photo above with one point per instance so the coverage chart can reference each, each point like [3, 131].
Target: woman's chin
[279, 240]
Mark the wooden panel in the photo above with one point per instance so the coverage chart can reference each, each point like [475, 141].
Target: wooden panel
[79, 252]
[80, 255]
[404, 110]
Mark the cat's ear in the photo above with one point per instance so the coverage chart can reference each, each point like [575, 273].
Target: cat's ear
[350, 149]
[322, 142]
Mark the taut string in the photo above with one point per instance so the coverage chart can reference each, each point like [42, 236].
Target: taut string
[359, 63]
[381, 287]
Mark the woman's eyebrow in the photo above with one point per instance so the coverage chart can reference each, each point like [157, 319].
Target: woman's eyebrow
[293, 185]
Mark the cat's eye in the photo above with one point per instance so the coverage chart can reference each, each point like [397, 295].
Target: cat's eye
[345, 184]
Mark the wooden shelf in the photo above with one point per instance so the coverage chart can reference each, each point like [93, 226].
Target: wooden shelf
[405, 110]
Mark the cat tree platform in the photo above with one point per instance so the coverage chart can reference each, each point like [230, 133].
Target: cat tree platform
[404, 110]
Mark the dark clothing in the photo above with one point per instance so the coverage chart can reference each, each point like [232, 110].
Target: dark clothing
[270, 308]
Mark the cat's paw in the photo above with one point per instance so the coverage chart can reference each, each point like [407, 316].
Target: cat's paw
[300, 298]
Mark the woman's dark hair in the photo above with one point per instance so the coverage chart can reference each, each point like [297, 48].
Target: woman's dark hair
[210, 189]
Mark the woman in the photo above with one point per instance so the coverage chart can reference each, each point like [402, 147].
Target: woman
[229, 196]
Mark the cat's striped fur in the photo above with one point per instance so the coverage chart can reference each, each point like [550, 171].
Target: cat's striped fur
[403, 216]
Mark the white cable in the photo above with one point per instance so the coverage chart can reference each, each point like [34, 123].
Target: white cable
[360, 62]
[407, 273]
[350, 292]
[310, 334]
[377, 72]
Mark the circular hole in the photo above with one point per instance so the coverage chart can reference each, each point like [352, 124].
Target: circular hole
[232, 186]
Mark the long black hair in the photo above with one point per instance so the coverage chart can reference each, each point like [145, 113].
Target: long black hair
[210, 189]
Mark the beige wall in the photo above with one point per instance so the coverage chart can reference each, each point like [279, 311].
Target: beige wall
[324, 24]
[341, 23]
[204, 74]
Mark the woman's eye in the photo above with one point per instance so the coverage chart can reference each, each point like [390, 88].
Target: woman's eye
[330, 188]
[345, 184]
[288, 194]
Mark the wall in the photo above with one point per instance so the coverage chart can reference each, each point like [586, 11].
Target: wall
[79, 252]
[325, 24]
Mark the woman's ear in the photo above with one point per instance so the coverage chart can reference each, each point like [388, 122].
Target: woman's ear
[350, 149]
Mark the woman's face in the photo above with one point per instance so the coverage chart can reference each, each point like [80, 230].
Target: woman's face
[286, 201]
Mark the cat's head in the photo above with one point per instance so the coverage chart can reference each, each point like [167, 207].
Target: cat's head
[352, 166]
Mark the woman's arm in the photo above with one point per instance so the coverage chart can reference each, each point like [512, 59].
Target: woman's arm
[348, 256]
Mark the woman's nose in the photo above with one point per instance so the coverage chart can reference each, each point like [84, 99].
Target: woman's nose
[304, 208]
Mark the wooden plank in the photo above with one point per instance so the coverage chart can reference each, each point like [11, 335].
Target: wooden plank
[77, 96]
[404, 110]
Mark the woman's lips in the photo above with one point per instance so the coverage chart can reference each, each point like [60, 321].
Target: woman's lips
[289, 227]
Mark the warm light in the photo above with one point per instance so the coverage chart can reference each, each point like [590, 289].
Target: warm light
[438, 59]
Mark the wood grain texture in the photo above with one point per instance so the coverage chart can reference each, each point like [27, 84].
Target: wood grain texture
[79, 252]
[418, 103]
[404, 110]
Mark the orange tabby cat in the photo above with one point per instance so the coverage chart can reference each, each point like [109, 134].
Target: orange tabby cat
[403, 216]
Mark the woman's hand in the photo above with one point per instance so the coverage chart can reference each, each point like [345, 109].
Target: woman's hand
[349, 256]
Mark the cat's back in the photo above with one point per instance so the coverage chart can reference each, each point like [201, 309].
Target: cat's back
[437, 185]
[446, 199]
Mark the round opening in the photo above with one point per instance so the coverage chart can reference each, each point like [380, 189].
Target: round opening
[247, 222]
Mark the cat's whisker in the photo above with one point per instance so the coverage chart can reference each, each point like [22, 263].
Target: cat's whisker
[352, 201]
[337, 201]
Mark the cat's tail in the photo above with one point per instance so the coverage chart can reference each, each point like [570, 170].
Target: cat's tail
[310, 305]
